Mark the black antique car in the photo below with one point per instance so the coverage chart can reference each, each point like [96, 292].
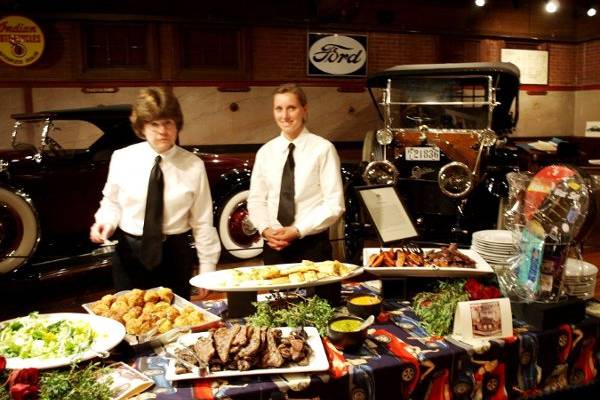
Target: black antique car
[49, 190]
[442, 144]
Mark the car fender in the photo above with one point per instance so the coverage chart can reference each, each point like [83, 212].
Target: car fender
[229, 183]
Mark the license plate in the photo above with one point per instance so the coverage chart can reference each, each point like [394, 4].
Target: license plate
[422, 154]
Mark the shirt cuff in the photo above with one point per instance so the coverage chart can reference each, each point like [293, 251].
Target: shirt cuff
[303, 230]
[207, 268]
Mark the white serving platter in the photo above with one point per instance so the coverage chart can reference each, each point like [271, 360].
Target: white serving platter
[481, 267]
[109, 333]
[218, 280]
[317, 359]
[179, 302]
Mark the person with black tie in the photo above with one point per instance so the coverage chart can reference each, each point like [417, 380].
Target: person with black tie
[156, 198]
[296, 190]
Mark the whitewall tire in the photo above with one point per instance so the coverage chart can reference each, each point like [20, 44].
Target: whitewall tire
[238, 236]
[19, 230]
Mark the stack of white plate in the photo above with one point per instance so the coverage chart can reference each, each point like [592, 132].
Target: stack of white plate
[580, 278]
[497, 247]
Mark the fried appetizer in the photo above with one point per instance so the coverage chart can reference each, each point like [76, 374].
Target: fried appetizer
[134, 298]
[152, 296]
[165, 294]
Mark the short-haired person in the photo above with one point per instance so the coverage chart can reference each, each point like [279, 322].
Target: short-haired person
[156, 194]
[296, 190]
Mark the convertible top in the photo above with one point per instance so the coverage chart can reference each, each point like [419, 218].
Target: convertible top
[89, 114]
[507, 71]
[505, 80]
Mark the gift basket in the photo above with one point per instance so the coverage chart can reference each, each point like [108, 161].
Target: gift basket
[549, 214]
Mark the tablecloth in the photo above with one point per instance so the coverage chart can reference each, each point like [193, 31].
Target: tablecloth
[400, 361]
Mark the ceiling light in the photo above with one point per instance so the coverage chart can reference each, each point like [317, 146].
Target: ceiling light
[552, 6]
[480, 3]
[591, 11]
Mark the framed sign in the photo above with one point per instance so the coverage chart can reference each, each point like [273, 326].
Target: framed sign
[332, 54]
[533, 64]
[21, 41]
[592, 128]
[482, 320]
[390, 219]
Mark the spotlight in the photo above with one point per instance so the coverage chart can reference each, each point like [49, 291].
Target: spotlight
[591, 11]
[480, 3]
[552, 6]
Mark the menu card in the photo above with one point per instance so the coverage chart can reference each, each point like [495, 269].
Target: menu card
[127, 381]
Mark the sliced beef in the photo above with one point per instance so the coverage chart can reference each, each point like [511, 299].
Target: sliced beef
[240, 340]
[252, 346]
[204, 348]
[271, 357]
[223, 338]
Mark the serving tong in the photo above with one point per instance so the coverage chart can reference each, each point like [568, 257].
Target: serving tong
[201, 369]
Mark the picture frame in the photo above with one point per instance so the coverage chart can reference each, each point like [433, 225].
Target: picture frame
[479, 321]
[387, 212]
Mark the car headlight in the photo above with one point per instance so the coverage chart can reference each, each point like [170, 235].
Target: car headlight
[384, 136]
[455, 180]
[380, 173]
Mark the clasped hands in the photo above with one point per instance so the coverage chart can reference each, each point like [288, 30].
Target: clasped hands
[280, 238]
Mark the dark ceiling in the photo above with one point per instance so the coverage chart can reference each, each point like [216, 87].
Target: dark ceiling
[517, 18]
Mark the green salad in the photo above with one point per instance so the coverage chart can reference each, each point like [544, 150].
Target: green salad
[36, 337]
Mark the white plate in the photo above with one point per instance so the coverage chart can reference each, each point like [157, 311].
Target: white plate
[179, 302]
[217, 280]
[109, 333]
[481, 267]
[317, 360]
[496, 248]
[494, 236]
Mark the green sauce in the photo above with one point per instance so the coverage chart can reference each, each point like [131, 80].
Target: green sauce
[345, 325]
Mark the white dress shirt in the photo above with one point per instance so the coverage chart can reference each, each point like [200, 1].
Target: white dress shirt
[187, 199]
[319, 195]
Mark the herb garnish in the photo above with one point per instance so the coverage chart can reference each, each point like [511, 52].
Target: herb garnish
[76, 384]
[311, 312]
[436, 309]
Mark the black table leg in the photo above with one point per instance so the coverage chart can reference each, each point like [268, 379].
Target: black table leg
[239, 304]
[332, 292]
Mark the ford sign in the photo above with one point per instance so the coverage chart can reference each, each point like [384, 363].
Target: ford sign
[332, 54]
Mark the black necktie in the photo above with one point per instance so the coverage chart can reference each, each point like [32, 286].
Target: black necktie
[152, 237]
[287, 208]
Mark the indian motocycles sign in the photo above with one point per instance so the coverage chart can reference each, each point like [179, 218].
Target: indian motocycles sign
[332, 54]
[21, 41]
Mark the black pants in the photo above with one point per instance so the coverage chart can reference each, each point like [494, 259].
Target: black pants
[312, 247]
[174, 271]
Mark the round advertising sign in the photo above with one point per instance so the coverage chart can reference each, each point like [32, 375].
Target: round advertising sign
[337, 55]
[21, 41]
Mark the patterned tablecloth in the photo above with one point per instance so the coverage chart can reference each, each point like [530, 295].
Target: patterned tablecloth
[399, 361]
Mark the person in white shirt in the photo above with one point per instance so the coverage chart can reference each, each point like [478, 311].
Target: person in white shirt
[185, 206]
[316, 186]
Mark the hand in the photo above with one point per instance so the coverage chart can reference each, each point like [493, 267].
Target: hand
[200, 293]
[100, 232]
[274, 242]
[280, 238]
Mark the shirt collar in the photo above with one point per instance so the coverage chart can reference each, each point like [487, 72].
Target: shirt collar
[298, 142]
[167, 155]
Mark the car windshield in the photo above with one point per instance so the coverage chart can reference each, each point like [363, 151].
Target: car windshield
[460, 103]
[69, 134]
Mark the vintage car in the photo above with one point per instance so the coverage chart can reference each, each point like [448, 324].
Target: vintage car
[50, 190]
[442, 145]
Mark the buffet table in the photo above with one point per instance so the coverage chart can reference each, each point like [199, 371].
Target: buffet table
[399, 360]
